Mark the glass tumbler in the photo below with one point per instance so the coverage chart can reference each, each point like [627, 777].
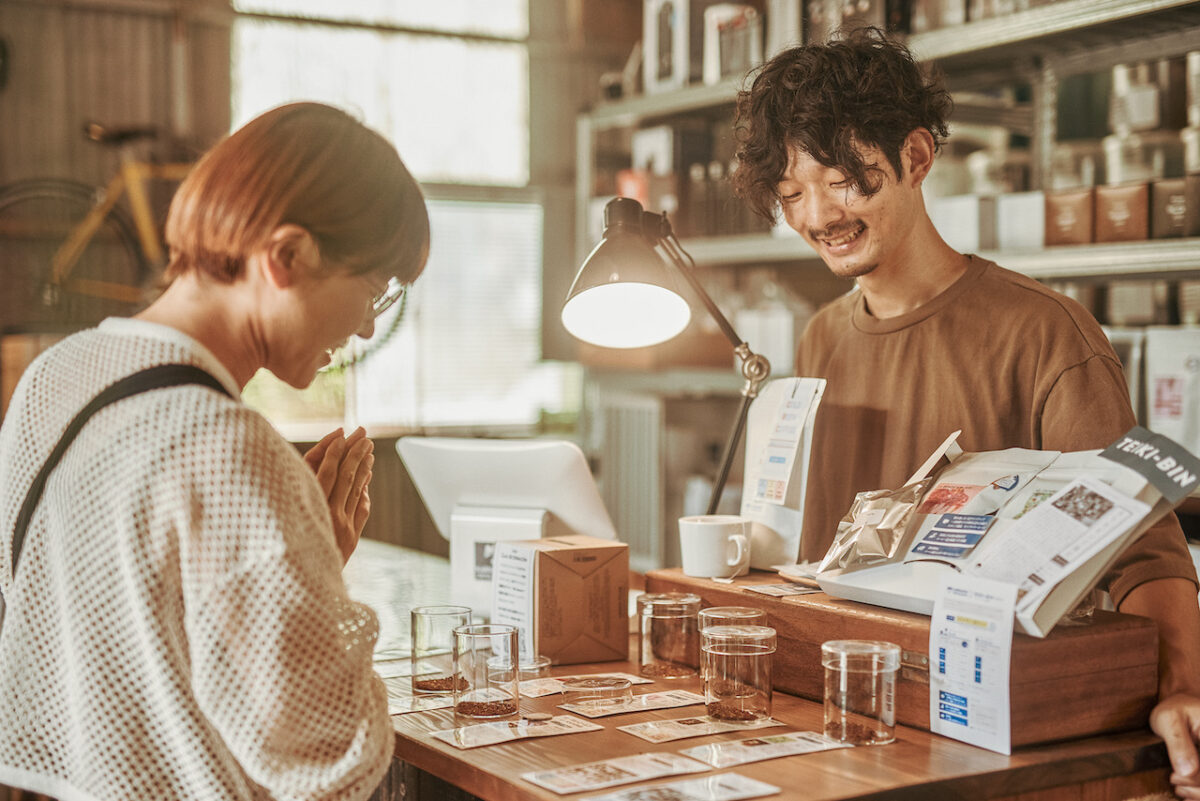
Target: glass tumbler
[485, 664]
[668, 641]
[737, 681]
[860, 690]
[433, 645]
[726, 616]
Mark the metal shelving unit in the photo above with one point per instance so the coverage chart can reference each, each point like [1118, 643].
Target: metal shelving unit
[1038, 47]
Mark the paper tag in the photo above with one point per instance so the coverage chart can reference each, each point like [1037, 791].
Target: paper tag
[503, 731]
[781, 590]
[756, 749]
[1168, 466]
[536, 688]
[403, 704]
[613, 772]
[970, 650]
[1057, 536]
[663, 731]
[724, 787]
[639, 703]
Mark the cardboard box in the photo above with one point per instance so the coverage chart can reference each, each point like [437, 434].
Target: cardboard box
[570, 594]
[966, 222]
[1021, 221]
[1081, 680]
[1071, 216]
[1169, 209]
[1123, 213]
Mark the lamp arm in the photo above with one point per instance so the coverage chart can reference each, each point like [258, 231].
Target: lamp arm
[755, 367]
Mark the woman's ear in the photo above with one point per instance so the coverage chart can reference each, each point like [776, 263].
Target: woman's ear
[291, 254]
[917, 155]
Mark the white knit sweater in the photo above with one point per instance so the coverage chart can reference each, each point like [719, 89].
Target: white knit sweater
[179, 627]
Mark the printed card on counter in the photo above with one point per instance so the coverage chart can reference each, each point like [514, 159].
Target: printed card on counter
[536, 688]
[723, 787]
[401, 700]
[668, 699]
[504, 731]
[663, 731]
[756, 749]
[781, 590]
[970, 649]
[612, 772]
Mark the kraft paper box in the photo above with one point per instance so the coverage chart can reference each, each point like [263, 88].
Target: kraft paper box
[1123, 212]
[1070, 216]
[569, 596]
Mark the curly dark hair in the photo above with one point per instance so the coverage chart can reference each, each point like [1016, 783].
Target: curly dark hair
[863, 89]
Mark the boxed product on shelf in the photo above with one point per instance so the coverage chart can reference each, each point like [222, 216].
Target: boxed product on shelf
[966, 222]
[1137, 303]
[1123, 212]
[1173, 383]
[732, 41]
[1192, 88]
[667, 149]
[1130, 344]
[1170, 206]
[1190, 138]
[1021, 220]
[785, 25]
[1070, 216]
[672, 43]
[1143, 156]
[930, 15]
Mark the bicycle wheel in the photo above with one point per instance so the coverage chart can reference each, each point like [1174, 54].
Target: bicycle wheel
[35, 218]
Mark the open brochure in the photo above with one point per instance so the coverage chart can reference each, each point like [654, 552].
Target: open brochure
[1050, 523]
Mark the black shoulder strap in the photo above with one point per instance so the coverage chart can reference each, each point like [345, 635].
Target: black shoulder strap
[165, 375]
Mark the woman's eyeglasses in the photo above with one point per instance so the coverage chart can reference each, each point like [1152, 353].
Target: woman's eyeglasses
[388, 297]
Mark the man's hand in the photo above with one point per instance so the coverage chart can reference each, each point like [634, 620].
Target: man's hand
[1176, 719]
[343, 468]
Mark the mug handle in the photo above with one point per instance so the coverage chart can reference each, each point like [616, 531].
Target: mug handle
[738, 540]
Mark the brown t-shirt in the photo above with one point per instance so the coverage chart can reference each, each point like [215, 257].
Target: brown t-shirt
[998, 355]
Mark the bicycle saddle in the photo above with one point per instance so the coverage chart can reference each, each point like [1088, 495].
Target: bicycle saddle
[118, 136]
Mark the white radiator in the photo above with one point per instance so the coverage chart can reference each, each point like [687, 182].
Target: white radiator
[629, 439]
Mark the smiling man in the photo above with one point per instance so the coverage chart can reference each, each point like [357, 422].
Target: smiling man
[839, 138]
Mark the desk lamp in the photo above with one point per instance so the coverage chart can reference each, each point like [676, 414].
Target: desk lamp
[625, 296]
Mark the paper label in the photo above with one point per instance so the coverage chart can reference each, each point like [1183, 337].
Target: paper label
[970, 650]
[504, 731]
[663, 731]
[781, 590]
[537, 688]
[724, 787]
[613, 772]
[1055, 537]
[756, 749]
[514, 590]
[639, 703]
[1169, 467]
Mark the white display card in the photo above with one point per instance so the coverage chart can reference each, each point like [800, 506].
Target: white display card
[668, 699]
[663, 731]
[970, 651]
[537, 688]
[723, 787]
[613, 772]
[756, 749]
[504, 731]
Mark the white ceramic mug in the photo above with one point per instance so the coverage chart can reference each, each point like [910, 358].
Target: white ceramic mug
[715, 546]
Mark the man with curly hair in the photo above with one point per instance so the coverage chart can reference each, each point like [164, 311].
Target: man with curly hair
[839, 138]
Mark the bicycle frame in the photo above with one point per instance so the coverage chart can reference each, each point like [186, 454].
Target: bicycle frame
[131, 178]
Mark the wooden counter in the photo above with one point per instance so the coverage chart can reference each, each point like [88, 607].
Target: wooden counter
[919, 765]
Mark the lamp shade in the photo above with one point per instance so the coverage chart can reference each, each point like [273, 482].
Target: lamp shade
[624, 295]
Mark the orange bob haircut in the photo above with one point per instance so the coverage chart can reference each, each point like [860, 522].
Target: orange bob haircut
[307, 164]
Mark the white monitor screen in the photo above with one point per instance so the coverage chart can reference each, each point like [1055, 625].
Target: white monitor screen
[538, 474]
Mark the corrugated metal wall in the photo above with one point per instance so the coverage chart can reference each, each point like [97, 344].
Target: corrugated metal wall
[119, 62]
